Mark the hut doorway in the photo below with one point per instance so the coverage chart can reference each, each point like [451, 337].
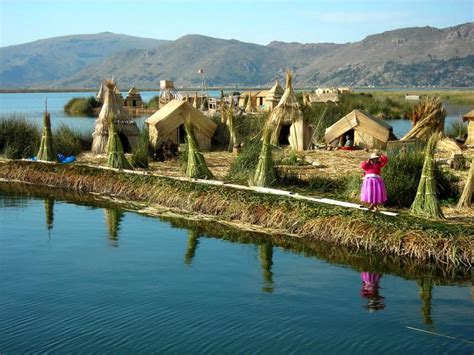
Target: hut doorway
[181, 134]
[125, 142]
[284, 135]
[349, 135]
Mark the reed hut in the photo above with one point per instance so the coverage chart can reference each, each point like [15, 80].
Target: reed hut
[133, 99]
[469, 118]
[274, 96]
[365, 130]
[127, 129]
[287, 121]
[168, 123]
[101, 93]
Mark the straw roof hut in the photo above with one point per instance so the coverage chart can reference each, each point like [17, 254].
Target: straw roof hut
[127, 129]
[100, 94]
[369, 132]
[133, 99]
[274, 96]
[167, 123]
[288, 114]
[469, 117]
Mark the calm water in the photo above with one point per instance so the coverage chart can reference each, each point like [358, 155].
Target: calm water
[32, 105]
[78, 278]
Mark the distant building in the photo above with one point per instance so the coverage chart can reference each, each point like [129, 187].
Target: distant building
[133, 98]
[274, 96]
[409, 97]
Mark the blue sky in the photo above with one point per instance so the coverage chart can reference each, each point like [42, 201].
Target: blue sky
[257, 21]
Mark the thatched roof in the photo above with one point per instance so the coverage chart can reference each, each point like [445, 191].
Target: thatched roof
[112, 108]
[468, 116]
[133, 91]
[359, 121]
[174, 113]
[275, 93]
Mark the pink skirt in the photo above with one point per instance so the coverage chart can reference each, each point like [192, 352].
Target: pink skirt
[373, 190]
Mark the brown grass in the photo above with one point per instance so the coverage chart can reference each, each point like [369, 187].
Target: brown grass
[408, 237]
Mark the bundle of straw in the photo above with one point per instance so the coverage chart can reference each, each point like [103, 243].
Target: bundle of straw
[265, 173]
[426, 203]
[46, 151]
[466, 197]
[116, 156]
[196, 166]
[428, 118]
[230, 122]
[250, 105]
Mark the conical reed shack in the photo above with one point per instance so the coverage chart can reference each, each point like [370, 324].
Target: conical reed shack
[288, 112]
[126, 127]
[196, 166]
[116, 157]
[265, 173]
[46, 151]
[426, 202]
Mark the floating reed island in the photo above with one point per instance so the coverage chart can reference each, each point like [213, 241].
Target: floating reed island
[309, 151]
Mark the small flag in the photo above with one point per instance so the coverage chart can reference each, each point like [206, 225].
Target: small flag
[201, 71]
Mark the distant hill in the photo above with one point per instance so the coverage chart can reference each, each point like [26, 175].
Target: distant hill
[409, 56]
[47, 62]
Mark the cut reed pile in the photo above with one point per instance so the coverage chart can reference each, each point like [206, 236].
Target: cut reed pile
[46, 151]
[451, 244]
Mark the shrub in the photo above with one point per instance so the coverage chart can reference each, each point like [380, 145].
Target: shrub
[457, 129]
[154, 103]
[81, 106]
[68, 141]
[19, 138]
[244, 165]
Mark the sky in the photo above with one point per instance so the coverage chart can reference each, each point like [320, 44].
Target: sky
[256, 21]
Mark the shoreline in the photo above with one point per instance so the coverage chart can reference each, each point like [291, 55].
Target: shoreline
[422, 240]
[334, 254]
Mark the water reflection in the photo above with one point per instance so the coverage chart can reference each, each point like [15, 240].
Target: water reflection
[49, 212]
[426, 287]
[113, 218]
[370, 291]
[193, 242]
[265, 252]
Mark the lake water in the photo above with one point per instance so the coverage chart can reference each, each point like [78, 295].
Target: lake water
[79, 278]
[32, 105]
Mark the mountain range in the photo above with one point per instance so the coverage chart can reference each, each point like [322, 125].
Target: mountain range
[415, 56]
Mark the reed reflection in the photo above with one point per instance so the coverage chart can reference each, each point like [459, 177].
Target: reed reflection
[49, 212]
[113, 218]
[370, 291]
[193, 243]
[426, 288]
[265, 252]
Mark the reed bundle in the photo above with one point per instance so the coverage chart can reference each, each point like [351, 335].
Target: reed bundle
[196, 166]
[466, 197]
[265, 173]
[46, 151]
[230, 122]
[116, 157]
[426, 203]
[428, 118]
[250, 104]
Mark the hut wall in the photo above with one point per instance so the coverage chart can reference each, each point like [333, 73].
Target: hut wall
[366, 140]
[203, 141]
[470, 133]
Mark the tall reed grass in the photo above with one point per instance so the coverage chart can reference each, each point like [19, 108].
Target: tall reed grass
[19, 138]
[141, 153]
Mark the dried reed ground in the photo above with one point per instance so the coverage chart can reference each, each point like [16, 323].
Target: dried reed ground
[424, 240]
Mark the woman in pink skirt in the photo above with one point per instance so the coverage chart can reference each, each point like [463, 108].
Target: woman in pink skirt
[373, 189]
